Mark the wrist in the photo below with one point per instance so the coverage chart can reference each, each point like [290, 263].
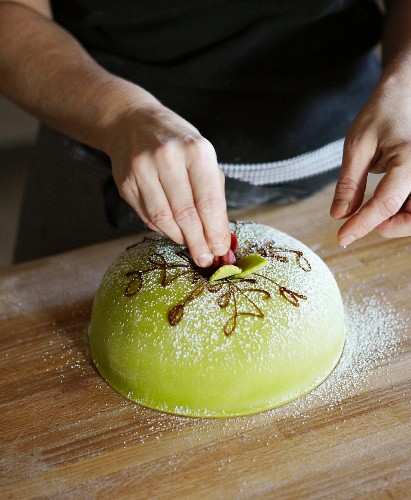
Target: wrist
[394, 84]
[397, 72]
[122, 100]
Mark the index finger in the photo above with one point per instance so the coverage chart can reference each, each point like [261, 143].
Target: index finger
[207, 183]
[359, 152]
[389, 196]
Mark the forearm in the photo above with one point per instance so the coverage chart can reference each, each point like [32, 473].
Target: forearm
[47, 72]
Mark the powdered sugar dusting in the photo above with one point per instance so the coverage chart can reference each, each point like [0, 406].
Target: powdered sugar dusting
[372, 324]
[262, 341]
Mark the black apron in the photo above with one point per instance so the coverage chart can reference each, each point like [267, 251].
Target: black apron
[262, 80]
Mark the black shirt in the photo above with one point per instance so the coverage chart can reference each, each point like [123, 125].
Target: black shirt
[262, 80]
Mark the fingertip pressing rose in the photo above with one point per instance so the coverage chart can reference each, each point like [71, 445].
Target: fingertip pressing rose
[228, 259]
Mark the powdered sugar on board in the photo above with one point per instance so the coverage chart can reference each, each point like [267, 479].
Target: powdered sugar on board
[375, 332]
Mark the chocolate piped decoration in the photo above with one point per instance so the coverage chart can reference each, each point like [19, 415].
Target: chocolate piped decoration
[228, 291]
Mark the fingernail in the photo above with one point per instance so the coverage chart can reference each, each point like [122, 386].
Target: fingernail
[341, 206]
[219, 249]
[205, 259]
[347, 240]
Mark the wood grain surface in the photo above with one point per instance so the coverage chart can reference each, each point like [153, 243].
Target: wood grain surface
[66, 434]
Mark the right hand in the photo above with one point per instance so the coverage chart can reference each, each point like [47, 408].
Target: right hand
[168, 173]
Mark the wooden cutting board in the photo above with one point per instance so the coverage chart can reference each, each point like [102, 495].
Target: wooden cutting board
[66, 434]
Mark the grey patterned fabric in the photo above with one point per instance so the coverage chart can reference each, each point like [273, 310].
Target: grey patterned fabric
[262, 80]
[63, 206]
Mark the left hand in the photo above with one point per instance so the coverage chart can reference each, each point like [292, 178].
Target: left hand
[378, 141]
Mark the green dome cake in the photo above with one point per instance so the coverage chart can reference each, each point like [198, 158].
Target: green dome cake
[167, 336]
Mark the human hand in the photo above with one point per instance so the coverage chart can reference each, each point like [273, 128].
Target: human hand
[378, 141]
[169, 175]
